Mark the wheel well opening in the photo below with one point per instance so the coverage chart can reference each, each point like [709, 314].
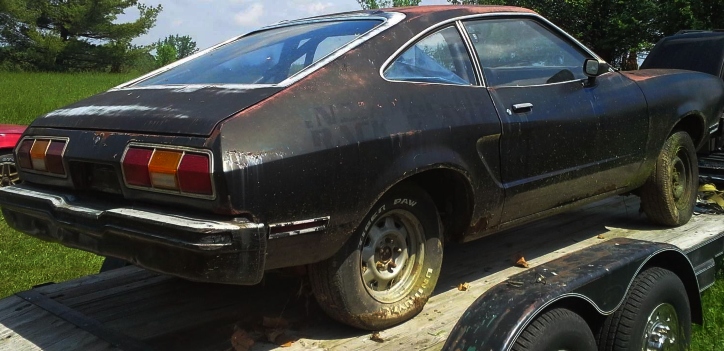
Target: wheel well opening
[677, 263]
[451, 192]
[583, 308]
[694, 126]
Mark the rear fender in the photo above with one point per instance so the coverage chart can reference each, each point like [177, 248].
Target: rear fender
[597, 277]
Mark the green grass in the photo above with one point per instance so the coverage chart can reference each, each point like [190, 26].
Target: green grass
[26, 96]
[26, 261]
[710, 336]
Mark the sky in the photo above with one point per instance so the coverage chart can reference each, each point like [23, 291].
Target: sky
[209, 22]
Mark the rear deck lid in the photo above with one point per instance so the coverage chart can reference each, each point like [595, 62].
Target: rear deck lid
[155, 110]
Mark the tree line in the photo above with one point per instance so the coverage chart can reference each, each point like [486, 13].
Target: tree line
[82, 35]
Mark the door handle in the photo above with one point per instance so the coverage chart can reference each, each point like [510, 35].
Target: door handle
[524, 107]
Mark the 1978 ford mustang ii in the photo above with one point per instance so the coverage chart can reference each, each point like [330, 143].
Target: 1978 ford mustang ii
[356, 144]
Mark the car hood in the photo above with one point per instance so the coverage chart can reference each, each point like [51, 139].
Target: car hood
[186, 110]
[11, 129]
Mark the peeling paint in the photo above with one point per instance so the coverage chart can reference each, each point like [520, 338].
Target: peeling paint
[111, 111]
[242, 160]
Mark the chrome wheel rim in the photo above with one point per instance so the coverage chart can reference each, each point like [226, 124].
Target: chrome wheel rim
[8, 174]
[662, 331]
[391, 254]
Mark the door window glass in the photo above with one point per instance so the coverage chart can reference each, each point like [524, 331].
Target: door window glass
[522, 52]
[440, 57]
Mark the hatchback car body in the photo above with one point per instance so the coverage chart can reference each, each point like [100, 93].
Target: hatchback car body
[356, 144]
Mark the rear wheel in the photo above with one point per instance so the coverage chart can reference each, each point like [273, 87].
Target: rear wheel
[557, 329]
[388, 269]
[8, 172]
[669, 195]
[654, 316]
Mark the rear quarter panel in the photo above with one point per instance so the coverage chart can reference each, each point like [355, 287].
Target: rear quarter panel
[333, 143]
[674, 94]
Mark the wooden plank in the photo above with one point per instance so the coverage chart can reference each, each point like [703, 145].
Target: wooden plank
[169, 313]
[37, 329]
[81, 321]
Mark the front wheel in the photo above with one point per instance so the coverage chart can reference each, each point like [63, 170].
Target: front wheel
[388, 269]
[669, 195]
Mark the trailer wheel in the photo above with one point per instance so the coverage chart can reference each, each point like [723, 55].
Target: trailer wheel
[388, 269]
[8, 172]
[669, 195]
[557, 329]
[654, 316]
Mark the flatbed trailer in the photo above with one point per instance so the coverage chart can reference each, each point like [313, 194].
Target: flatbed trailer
[134, 309]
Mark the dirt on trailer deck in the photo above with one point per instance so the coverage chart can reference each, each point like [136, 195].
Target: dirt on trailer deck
[139, 310]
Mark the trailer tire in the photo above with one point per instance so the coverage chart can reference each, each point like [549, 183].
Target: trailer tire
[656, 300]
[556, 329]
[669, 194]
[386, 271]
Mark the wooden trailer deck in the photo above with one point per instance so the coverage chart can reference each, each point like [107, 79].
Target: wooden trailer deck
[133, 309]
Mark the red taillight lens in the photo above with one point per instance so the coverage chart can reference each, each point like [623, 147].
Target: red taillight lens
[168, 170]
[24, 160]
[42, 155]
[54, 157]
[194, 174]
[135, 167]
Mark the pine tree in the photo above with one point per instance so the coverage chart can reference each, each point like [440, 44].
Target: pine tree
[72, 35]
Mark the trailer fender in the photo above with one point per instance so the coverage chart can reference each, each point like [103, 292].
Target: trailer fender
[597, 277]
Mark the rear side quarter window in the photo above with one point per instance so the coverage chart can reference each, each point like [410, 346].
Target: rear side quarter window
[440, 57]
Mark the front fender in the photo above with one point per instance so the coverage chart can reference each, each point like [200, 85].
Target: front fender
[600, 275]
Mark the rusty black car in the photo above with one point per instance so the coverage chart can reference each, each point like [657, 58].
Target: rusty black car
[355, 145]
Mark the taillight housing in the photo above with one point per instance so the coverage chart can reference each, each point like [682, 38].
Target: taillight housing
[166, 169]
[42, 155]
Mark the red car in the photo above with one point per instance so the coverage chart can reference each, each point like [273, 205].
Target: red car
[9, 136]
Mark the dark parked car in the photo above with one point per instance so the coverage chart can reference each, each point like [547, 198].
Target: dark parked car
[356, 144]
[9, 136]
[702, 51]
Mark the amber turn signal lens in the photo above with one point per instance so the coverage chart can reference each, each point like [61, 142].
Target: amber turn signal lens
[37, 154]
[163, 167]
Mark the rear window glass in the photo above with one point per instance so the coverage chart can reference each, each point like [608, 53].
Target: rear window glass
[266, 57]
[703, 54]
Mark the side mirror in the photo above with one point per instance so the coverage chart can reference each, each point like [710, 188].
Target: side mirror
[594, 68]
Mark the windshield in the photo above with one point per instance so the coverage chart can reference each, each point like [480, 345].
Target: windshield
[266, 57]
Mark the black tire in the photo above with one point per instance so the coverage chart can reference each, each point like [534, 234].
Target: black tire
[669, 194]
[557, 329]
[8, 171]
[351, 292]
[655, 294]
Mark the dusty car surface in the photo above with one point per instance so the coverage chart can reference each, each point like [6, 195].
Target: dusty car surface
[694, 50]
[357, 144]
[9, 136]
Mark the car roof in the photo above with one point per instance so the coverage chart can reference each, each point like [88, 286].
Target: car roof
[701, 51]
[413, 13]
